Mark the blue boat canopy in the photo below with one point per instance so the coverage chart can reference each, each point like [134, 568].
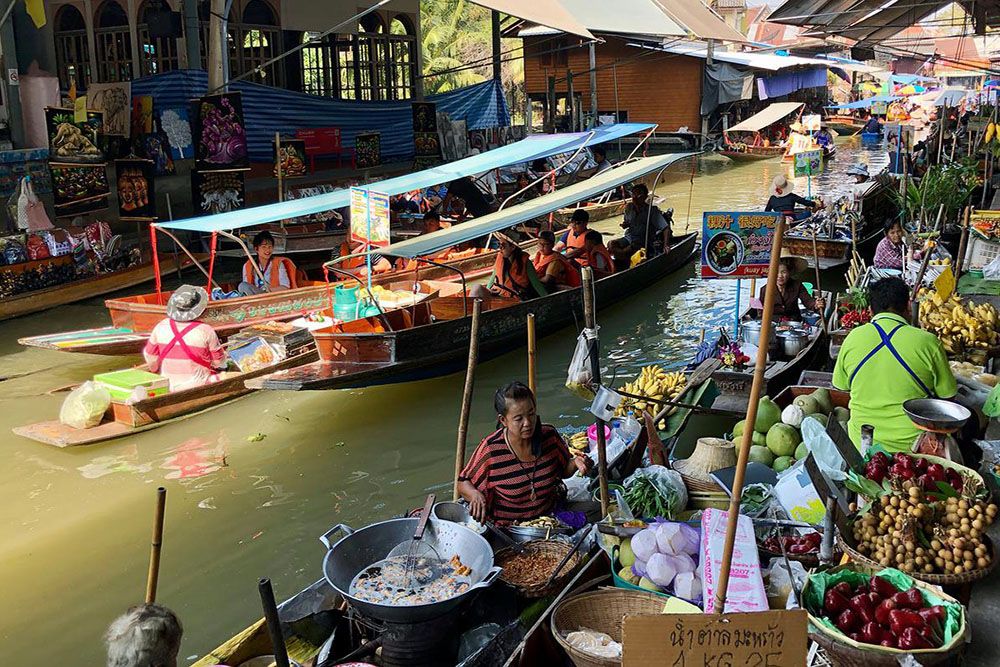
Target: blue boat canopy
[865, 103]
[525, 150]
[532, 208]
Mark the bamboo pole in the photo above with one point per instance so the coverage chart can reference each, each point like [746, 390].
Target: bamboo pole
[590, 321]
[532, 357]
[819, 285]
[470, 375]
[745, 441]
[273, 622]
[962, 243]
[153, 577]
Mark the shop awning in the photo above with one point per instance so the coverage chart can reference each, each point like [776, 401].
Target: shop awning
[700, 21]
[526, 150]
[550, 13]
[533, 208]
[768, 116]
[865, 103]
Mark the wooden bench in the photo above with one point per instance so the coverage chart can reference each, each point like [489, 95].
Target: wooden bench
[324, 141]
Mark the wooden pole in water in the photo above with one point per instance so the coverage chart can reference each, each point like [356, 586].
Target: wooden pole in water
[470, 376]
[273, 622]
[745, 441]
[532, 357]
[153, 577]
[590, 321]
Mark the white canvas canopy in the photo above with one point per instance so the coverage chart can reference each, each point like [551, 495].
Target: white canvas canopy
[772, 114]
[549, 13]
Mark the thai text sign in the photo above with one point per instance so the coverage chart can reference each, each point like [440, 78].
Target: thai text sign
[369, 217]
[809, 163]
[737, 245]
[759, 639]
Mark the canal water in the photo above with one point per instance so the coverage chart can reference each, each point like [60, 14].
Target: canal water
[252, 485]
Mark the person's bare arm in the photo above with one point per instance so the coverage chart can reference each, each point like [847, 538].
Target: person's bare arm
[475, 498]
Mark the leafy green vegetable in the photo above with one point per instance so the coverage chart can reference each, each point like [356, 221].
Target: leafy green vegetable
[645, 500]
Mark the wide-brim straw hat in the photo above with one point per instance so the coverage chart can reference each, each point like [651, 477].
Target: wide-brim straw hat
[781, 186]
[709, 455]
[187, 303]
[795, 263]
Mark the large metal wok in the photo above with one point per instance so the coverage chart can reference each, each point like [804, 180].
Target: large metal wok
[358, 549]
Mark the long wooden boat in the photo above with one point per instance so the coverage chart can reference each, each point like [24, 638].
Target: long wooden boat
[124, 419]
[78, 290]
[844, 124]
[734, 384]
[752, 153]
[597, 211]
[133, 317]
[364, 353]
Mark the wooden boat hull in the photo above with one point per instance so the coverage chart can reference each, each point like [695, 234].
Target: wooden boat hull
[157, 411]
[134, 317]
[364, 359]
[596, 212]
[78, 290]
[754, 154]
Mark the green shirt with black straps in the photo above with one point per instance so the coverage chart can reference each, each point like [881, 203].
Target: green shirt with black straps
[882, 385]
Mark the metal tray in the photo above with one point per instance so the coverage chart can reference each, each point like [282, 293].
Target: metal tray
[937, 414]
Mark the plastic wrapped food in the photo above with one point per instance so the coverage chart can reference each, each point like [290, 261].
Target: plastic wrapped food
[85, 406]
[595, 643]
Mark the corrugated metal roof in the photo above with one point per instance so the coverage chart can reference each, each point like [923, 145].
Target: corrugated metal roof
[765, 61]
[268, 110]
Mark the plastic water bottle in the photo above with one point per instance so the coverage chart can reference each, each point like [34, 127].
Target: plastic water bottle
[630, 428]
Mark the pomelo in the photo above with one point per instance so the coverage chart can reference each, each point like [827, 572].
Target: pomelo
[822, 397]
[808, 404]
[782, 439]
[801, 451]
[782, 463]
[768, 414]
[738, 429]
[626, 556]
[760, 454]
[821, 418]
[759, 439]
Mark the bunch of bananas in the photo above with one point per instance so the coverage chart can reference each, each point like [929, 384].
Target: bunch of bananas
[962, 327]
[655, 383]
[579, 441]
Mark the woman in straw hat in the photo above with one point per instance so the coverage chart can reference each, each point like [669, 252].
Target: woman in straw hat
[783, 200]
[182, 349]
[790, 290]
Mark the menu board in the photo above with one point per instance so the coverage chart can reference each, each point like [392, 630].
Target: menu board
[369, 217]
[737, 244]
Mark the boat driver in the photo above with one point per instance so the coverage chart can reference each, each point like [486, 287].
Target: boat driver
[181, 348]
[278, 272]
[886, 362]
[790, 290]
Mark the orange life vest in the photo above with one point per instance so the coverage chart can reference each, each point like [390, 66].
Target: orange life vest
[512, 275]
[250, 276]
[600, 251]
[570, 274]
[358, 262]
[575, 241]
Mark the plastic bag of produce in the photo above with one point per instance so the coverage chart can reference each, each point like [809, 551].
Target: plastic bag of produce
[579, 375]
[992, 270]
[85, 406]
[670, 492]
[780, 585]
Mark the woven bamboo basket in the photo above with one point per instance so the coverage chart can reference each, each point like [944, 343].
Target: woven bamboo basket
[709, 455]
[604, 611]
[533, 585]
[845, 652]
[849, 547]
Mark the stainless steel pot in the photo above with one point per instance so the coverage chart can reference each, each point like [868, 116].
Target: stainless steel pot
[750, 333]
[793, 341]
[352, 553]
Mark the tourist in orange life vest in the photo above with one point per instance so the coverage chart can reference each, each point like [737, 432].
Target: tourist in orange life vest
[553, 269]
[597, 256]
[432, 223]
[571, 242]
[278, 272]
[182, 349]
[513, 274]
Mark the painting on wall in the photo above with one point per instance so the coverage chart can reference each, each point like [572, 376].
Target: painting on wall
[79, 189]
[136, 193]
[176, 124]
[220, 135]
[70, 141]
[292, 160]
[368, 150]
[217, 191]
[114, 101]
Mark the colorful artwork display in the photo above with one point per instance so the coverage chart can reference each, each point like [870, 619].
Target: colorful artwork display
[136, 194]
[369, 217]
[71, 142]
[114, 101]
[426, 144]
[368, 150]
[221, 138]
[156, 147]
[217, 191]
[79, 188]
[737, 245]
[292, 158]
[142, 115]
[16, 164]
[176, 124]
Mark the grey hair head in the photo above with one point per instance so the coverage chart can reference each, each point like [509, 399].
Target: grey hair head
[147, 635]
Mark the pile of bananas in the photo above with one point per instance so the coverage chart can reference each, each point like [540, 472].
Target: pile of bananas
[964, 328]
[655, 383]
[579, 442]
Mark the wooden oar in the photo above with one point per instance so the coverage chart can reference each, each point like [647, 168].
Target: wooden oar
[152, 579]
[532, 357]
[470, 376]
[273, 622]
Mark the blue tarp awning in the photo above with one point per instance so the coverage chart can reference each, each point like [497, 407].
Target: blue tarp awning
[531, 148]
[865, 103]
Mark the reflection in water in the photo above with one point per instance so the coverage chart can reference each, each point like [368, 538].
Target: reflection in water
[238, 510]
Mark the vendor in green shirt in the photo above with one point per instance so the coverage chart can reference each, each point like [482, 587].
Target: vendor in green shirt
[886, 362]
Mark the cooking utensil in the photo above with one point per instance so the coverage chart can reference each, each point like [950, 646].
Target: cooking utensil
[411, 552]
[936, 414]
[528, 533]
[459, 513]
[359, 549]
[750, 333]
[569, 554]
[793, 341]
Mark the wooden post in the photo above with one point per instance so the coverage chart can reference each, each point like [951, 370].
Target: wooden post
[570, 102]
[819, 285]
[153, 577]
[962, 243]
[470, 376]
[532, 357]
[590, 321]
[273, 622]
[745, 441]
[277, 161]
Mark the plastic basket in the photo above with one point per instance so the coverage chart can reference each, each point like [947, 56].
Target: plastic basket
[981, 251]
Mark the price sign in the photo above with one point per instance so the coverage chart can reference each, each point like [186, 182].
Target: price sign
[809, 163]
[945, 283]
[759, 639]
[369, 217]
[737, 245]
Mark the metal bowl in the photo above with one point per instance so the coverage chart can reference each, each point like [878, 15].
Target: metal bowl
[793, 341]
[457, 513]
[527, 533]
[936, 413]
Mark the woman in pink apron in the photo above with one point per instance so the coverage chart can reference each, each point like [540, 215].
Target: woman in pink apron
[182, 349]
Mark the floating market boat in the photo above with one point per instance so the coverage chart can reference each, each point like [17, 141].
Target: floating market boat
[603, 208]
[126, 419]
[754, 147]
[383, 350]
[844, 124]
[86, 288]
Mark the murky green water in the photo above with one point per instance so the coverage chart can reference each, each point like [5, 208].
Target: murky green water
[75, 524]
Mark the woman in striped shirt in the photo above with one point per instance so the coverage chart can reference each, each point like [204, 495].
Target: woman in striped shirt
[516, 473]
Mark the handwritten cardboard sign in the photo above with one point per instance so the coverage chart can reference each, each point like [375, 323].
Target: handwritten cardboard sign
[759, 639]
